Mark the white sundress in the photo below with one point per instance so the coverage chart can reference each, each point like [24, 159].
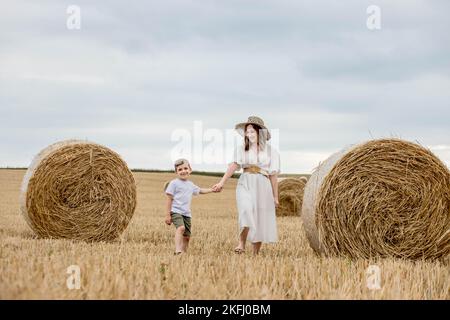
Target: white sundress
[254, 196]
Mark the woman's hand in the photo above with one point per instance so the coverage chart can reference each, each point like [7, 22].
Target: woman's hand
[277, 203]
[168, 219]
[217, 187]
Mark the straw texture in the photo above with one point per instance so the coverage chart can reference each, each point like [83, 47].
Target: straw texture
[166, 184]
[290, 195]
[78, 190]
[381, 198]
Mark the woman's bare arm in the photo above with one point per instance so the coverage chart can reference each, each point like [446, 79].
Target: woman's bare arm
[274, 182]
[231, 169]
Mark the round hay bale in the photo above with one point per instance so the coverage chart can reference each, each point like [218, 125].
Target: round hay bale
[304, 179]
[166, 184]
[382, 198]
[290, 194]
[78, 190]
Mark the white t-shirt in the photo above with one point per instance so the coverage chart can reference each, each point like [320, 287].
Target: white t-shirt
[182, 191]
[267, 159]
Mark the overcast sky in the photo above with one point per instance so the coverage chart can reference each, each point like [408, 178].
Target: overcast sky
[137, 74]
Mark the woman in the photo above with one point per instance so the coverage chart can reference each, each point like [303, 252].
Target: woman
[257, 188]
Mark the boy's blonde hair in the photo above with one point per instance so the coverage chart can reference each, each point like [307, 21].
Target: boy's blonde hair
[179, 162]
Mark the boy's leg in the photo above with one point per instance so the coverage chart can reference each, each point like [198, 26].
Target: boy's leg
[179, 239]
[185, 243]
[187, 232]
[177, 220]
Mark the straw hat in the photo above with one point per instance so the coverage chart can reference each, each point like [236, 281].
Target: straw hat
[240, 127]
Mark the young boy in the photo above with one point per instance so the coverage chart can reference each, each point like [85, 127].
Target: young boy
[179, 193]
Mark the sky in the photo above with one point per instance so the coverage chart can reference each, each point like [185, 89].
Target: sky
[155, 80]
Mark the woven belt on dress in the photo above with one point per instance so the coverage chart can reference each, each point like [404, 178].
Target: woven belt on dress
[256, 169]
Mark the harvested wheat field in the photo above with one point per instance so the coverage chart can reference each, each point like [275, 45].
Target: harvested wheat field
[141, 265]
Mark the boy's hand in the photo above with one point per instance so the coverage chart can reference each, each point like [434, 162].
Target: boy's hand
[168, 219]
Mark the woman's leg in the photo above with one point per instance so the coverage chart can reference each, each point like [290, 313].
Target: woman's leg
[242, 239]
[256, 247]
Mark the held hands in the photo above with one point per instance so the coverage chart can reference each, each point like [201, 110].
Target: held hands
[217, 187]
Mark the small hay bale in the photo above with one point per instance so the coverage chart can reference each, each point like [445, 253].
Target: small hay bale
[382, 198]
[78, 190]
[290, 194]
[166, 184]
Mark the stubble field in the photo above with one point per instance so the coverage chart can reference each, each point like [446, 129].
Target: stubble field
[141, 265]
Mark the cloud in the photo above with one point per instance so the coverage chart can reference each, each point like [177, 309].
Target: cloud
[136, 72]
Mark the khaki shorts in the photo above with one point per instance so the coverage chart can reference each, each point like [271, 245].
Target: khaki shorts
[182, 221]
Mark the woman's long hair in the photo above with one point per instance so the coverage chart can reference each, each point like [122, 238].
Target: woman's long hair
[261, 136]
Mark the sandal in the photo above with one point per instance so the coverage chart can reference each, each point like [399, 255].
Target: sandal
[177, 253]
[239, 250]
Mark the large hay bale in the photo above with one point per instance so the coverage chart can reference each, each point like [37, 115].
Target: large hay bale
[290, 195]
[381, 198]
[78, 190]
